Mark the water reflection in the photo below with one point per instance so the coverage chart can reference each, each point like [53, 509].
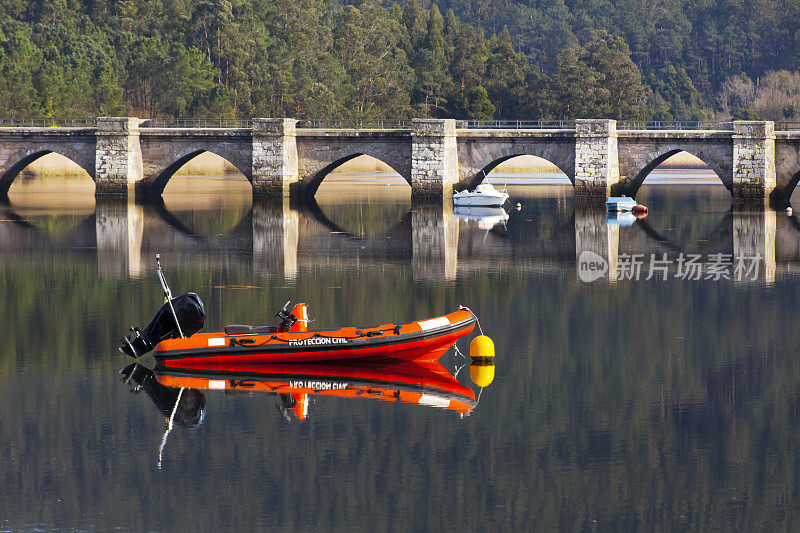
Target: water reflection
[484, 218]
[179, 393]
[275, 237]
[295, 385]
[682, 396]
[276, 240]
[119, 230]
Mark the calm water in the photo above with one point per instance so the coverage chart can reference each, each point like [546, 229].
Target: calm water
[617, 404]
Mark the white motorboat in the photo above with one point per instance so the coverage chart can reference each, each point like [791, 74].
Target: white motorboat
[484, 195]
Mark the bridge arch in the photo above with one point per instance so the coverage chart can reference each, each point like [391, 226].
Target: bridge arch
[476, 179]
[311, 178]
[478, 157]
[636, 162]
[18, 160]
[157, 175]
[788, 189]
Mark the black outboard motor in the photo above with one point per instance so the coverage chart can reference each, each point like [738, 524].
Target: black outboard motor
[178, 317]
[191, 316]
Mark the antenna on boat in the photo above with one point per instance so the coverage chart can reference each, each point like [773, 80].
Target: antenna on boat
[167, 293]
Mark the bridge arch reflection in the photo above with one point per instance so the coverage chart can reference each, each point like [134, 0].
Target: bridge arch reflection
[277, 239]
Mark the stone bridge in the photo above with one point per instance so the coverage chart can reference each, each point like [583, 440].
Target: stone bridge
[124, 157]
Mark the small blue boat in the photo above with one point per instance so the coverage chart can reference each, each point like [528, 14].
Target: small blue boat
[620, 203]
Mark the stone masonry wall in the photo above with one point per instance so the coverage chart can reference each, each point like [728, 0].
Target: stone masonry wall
[320, 151]
[753, 161]
[428, 155]
[480, 151]
[164, 151]
[118, 156]
[642, 151]
[274, 156]
[596, 159]
[434, 159]
[21, 146]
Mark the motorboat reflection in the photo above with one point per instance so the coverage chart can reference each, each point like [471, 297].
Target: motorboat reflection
[295, 385]
[179, 393]
[621, 218]
[484, 217]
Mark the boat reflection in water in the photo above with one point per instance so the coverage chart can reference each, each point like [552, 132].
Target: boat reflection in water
[179, 393]
[427, 384]
[484, 217]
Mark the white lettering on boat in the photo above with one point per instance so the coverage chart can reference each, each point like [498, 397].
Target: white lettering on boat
[216, 384]
[319, 385]
[434, 400]
[434, 323]
[216, 342]
[315, 341]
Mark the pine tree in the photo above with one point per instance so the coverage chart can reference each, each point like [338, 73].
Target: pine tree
[505, 76]
[431, 68]
[599, 80]
[477, 105]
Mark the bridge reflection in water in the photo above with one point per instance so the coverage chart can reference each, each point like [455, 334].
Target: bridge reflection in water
[278, 239]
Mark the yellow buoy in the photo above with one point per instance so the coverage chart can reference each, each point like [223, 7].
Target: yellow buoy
[482, 371]
[481, 346]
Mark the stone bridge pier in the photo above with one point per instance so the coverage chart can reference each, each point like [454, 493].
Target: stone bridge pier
[119, 227]
[434, 240]
[746, 237]
[275, 237]
[596, 243]
[118, 157]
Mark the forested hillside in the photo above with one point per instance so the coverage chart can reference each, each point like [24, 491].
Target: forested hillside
[475, 59]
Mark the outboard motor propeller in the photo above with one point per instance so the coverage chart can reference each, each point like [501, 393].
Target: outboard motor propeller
[178, 318]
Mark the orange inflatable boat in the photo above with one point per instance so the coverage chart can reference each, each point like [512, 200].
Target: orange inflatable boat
[173, 333]
[420, 340]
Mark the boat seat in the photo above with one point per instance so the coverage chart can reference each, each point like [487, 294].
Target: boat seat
[241, 329]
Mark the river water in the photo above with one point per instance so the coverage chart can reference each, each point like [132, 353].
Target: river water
[619, 402]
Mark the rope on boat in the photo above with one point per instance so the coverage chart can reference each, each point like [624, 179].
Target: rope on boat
[458, 352]
[358, 335]
[467, 309]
